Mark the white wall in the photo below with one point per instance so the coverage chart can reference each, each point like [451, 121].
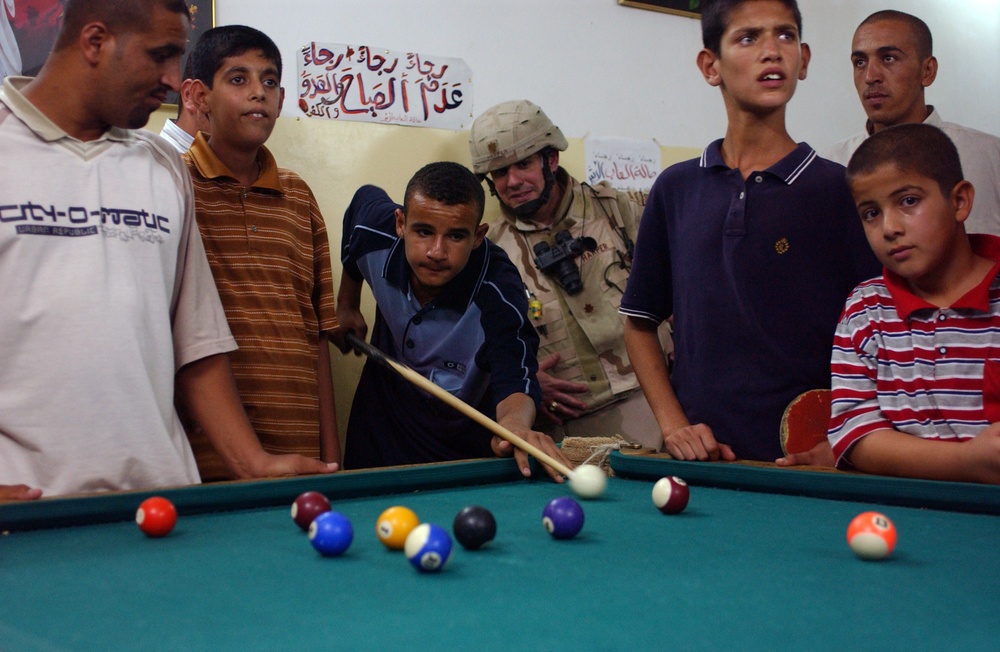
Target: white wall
[603, 69]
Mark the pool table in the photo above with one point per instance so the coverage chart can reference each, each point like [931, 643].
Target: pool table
[757, 561]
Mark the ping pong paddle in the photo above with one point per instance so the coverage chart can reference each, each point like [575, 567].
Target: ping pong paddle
[805, 421]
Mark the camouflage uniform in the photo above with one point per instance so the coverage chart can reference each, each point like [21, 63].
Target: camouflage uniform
[585, 329]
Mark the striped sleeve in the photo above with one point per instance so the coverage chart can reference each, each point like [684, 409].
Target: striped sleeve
[854, 380]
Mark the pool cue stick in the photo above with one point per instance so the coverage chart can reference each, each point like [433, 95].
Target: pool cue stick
[455, 402]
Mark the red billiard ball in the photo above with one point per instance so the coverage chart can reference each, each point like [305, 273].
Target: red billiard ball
[871, 535]
[156, 516]
[670, 495]
[307, 507]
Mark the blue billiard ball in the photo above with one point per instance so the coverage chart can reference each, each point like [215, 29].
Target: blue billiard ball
[331, 533]
[563, 517]
[428, 547]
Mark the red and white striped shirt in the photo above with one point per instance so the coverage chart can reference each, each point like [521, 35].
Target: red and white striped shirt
[902, 363]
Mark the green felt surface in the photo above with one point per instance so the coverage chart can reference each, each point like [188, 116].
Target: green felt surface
[802, 481]
[737, 570]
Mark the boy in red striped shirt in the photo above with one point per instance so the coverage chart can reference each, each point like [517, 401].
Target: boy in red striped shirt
[914, 370]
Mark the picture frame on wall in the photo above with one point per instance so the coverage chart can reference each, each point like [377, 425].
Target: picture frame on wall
[28, 30]
[689, 8]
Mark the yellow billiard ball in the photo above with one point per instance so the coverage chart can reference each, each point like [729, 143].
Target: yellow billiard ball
[394, 525]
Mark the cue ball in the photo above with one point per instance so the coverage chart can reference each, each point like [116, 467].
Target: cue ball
[474, 527]
[670, 495]
[871, 535]
[394, 525]
[588, 481]
[331, 533]
[428, 547]
[563, 517]
[156, 516]
[307, 507]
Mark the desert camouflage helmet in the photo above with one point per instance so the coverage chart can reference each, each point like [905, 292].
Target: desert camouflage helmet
[509, 132]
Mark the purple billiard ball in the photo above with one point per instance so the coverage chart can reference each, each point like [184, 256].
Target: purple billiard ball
[563, 517]
[331, 533]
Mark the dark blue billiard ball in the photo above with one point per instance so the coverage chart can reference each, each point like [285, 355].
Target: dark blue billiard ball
[428, 547]
[474, 527]
[563, 517]
[331, 533]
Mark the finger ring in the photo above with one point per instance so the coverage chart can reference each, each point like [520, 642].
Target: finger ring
[553, 405]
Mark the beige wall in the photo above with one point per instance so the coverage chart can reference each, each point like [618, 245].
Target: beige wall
[335, 158]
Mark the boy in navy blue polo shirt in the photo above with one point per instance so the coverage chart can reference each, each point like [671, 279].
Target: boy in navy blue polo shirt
[451, 306]
[752, 248]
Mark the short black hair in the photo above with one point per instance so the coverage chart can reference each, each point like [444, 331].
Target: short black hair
[119, 16]
[918, 29]
[715, 20]
[912, 147]
[220, 43]
[449, 183]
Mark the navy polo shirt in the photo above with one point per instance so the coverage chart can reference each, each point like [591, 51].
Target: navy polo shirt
[755, 273]
[473, 340]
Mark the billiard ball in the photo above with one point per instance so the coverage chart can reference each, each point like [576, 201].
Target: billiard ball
[871, 535]
[587, 481]
[670, 495]
[563, 517]
[428, 547]
[331, 533]
[307, 507]
[394, 525]
[474, 527]
[156, 516]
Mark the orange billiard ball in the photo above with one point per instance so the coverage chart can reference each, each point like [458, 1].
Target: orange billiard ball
[156, 516]
[394, 525]
[871, 535]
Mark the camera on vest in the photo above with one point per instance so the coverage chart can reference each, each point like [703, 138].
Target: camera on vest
[557, 260]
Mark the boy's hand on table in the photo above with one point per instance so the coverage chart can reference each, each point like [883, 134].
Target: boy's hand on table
[10, 492]
[696, 442]
[503, 448]
[819, 455]
[271, 466]
[984, 454]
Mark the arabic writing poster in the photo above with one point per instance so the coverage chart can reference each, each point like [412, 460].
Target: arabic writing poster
[369, 84]
[626, 163]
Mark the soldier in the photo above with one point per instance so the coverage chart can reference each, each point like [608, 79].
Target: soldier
[573, 244]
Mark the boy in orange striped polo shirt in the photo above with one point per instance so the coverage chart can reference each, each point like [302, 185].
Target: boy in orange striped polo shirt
[268, 249]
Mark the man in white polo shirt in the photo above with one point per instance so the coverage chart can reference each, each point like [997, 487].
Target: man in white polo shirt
[108, 297]
[893, 63]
